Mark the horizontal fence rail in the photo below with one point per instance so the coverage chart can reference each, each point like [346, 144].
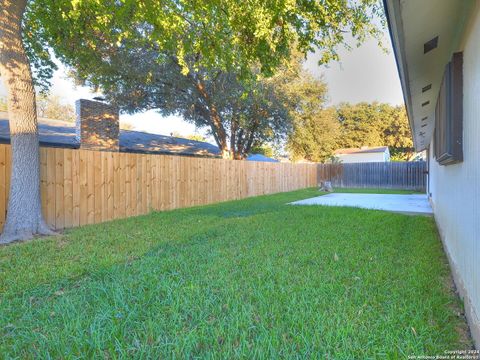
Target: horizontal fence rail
[82, 187]
[390, 175]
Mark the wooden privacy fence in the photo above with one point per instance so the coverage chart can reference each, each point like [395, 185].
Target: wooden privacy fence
[86, 187]
[391, 175]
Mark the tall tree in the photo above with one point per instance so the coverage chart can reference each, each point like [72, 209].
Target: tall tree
[361, 124]
[315, 128]
[353, 125]
[314, 137]
[24, 217]
[397, 135]
[375, 124]
[226, 34]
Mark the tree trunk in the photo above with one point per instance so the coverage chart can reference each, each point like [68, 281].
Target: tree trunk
[216, 122]
[250, 137]
[24, 215]
[233, 136]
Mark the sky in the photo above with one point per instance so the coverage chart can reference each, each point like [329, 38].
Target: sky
[367, 73]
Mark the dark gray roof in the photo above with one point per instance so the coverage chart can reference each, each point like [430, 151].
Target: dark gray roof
[62, 134]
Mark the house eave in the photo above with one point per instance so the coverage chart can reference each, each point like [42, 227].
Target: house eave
[411, 25]
[397, 39]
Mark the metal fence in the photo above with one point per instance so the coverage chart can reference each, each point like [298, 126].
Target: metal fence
[390, 175]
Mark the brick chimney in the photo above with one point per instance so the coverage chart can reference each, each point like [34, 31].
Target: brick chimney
[97, 125]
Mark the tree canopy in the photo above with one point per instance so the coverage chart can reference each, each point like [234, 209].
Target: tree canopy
[353, 125]
[375, 124]
[227, 34]
[315, 128]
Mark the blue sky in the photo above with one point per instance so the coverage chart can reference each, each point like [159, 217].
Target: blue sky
[367, 73]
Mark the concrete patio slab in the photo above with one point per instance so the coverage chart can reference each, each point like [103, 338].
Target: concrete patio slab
[408, 204]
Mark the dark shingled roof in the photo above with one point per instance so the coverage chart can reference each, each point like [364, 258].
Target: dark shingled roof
[58, 133]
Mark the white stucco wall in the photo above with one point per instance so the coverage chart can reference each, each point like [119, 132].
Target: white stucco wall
[455, 189]
[363, 157]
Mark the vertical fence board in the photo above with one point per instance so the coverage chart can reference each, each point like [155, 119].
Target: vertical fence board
[51, 212]
[59, 195]
[67, 188]
[83, 187]
[128, 186]
[109, 196]
[139, 182]
[116, 186]
[133, 184]
[8, 171]
[122, 203]
[43, 181]
[3, 188]
[75, 188]
[90, 188]
[99, 188]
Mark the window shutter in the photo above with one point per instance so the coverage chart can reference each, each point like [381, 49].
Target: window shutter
[448, 136]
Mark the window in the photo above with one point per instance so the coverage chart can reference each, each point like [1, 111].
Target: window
[449, 114]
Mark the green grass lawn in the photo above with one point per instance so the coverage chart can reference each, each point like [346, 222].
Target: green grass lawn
[247, 279]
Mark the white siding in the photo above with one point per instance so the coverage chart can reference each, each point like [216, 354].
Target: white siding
[455, 189]
[363, 157]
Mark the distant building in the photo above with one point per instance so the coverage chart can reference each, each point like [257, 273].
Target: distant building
[260, 157]
[363, 154]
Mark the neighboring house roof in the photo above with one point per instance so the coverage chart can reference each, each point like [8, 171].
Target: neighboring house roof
[363, 150]
[59, 133]
[423, 35]
[260, 157]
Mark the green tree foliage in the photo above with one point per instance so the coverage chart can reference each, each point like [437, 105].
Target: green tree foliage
[361, 124]
[201, 59]
[315, 136]
[227, 34]
[397, 135]
[264, 149]
[375, 124]
[315, 128]
[353, 125]
[195, 137]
